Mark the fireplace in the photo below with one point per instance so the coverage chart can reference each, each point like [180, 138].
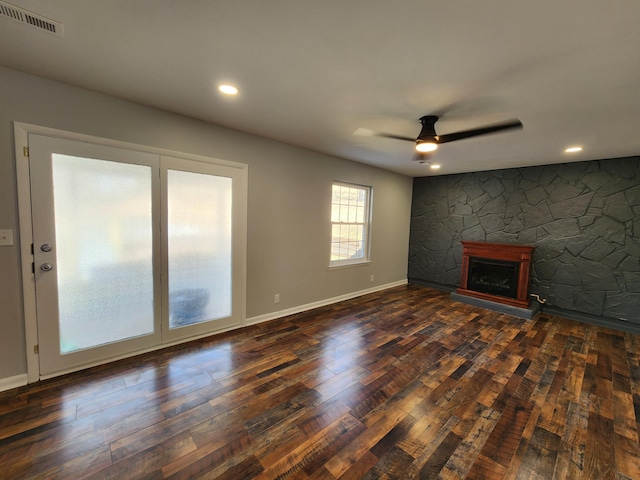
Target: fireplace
[496, 271]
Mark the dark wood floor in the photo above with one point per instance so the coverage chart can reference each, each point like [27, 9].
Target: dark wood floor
[398, 384]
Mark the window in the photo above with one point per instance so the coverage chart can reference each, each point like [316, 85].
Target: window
[350, 219]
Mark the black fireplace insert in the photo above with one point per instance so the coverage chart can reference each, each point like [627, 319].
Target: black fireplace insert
[497, 277]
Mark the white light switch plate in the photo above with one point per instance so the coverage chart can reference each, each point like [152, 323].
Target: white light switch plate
[6, 237]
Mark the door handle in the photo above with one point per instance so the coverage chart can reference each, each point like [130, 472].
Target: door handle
[46, 267]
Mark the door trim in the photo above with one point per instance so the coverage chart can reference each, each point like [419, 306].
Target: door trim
[21, 136]
[21, 139]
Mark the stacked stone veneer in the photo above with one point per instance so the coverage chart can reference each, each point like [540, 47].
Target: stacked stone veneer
[583, 218]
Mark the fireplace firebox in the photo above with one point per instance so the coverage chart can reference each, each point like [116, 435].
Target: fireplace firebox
[496, 271]
[493, 276]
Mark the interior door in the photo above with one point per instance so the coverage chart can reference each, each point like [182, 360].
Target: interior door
[131, 250]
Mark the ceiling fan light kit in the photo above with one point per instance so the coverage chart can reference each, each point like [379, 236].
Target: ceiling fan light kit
[426, 146]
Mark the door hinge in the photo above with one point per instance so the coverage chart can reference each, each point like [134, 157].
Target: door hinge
[33, 267]
[25, 151]
[36, 349]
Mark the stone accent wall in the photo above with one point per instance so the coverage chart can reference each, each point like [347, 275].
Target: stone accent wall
[583, 218]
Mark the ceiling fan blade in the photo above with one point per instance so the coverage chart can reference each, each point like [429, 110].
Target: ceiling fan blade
[397, 137]
[452, 137]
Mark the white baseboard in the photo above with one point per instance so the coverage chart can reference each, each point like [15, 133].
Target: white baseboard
[321, 303]
[13, 382]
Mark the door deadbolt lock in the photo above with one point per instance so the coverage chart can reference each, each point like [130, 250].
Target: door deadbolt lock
[46, 247]
[46, 267]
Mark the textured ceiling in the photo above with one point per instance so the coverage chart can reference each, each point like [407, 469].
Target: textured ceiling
[311, 73]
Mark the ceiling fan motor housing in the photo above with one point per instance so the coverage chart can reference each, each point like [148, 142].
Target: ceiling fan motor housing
[428, 132]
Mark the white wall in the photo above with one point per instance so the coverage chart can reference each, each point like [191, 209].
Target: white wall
[288, 205]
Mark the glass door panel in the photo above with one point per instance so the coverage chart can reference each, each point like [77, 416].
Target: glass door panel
[199, 247]
[104, 257]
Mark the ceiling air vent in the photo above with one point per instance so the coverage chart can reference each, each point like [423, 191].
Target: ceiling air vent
[28, 18]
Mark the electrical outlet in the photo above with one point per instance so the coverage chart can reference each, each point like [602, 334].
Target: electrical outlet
[6, 237]
[371, 278]
[276, 298]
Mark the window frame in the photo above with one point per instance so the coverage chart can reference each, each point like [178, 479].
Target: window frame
[368, 215]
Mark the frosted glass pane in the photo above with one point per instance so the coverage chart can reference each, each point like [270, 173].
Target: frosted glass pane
[103, 251]
[199, 232]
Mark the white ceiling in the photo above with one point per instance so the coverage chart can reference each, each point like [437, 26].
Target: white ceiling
[311, 72]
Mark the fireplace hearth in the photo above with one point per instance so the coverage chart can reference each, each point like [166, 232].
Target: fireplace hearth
[497, 272]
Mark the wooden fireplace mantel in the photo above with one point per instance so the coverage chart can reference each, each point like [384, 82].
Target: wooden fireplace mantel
[498, 251]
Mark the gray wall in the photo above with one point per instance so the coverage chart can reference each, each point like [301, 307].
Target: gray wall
[583, 218]
[288, 204]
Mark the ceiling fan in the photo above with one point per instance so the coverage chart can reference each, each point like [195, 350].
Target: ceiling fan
[428, 140]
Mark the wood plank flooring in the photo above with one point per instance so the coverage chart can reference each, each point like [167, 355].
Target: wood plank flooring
[402, 383]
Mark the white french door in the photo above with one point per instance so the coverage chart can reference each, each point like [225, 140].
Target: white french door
[131, 250]
[202, 265]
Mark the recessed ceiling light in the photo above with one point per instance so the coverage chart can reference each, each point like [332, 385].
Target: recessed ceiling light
[228, 89]
[435, 166]
[572, 149]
